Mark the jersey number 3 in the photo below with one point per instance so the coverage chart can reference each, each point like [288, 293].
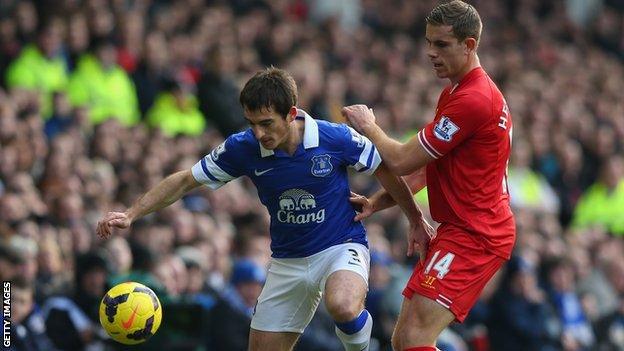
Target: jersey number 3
[355, 258]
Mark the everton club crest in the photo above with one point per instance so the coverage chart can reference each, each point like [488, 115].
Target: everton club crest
[321, 165]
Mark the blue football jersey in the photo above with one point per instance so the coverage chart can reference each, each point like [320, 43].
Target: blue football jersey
[306, 194]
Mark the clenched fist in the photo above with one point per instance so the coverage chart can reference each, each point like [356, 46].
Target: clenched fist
[112, 219]
[359, 116]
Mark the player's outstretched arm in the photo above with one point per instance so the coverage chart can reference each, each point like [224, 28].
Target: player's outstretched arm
[168, 191]
[401, 159]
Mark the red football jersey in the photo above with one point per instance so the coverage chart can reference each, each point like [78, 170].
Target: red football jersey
[470, 138]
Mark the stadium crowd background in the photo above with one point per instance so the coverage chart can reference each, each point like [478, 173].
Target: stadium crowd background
[102, 99]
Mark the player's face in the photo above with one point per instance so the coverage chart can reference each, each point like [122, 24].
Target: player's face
[448, 55]
[269, 127]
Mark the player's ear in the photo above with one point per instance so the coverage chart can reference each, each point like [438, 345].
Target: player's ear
[292, 114]
[471, 44]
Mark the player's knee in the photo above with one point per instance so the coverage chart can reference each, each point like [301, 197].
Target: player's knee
[417, 333]
[413, 336]
[343, 309]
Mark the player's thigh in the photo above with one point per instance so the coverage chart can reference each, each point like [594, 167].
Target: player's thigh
[345, 292]
[271, 341]
[288, 300]
[350, 257]
[420, 322]
[345, 281]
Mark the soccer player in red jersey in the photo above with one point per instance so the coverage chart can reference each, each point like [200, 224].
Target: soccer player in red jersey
[461, 156]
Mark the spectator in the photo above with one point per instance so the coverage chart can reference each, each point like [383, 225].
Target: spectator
[218, 92]
[609, 329]
[9, 260]
[149, 76]
[603, 202]
[521, 315]
[39, 67]
[231, 316]
[103, 87]
[61, 119]
[9, 45]
[347, 13]
[119, 255]
[78, 38]
[175, 111]
[576, 329]
[52, 279]
[28, 332]
[26, 249]
[380, 277]
[528, 188]
[593, 282]
[568, 183]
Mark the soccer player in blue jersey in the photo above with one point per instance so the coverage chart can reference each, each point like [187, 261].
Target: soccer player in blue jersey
[299, 166]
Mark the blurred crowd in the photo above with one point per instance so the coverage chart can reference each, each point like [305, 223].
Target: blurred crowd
[101, 99]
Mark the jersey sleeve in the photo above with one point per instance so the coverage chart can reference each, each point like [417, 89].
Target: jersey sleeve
[459, 120]
[360, 153]
[220, 166]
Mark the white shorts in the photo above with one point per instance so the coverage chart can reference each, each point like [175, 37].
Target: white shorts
[294, 286]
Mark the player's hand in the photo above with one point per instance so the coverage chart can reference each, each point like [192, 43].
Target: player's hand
[112, 220]
[359, 116]
[419, 237]
[362, 205]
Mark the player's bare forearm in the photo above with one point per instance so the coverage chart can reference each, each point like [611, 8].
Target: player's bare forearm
[391, 151]
[397, 189]
[401, 158]
[416, 182]
[168, 191]
[381, 200]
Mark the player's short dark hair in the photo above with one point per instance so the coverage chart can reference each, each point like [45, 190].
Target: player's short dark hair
[463, 17]
[272, 88]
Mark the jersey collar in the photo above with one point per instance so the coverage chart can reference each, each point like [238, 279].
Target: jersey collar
[310, 134]
[475, 72]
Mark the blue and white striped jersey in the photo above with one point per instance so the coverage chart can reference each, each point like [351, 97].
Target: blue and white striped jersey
[306, 194]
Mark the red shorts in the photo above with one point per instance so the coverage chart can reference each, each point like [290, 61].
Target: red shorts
[456, 270]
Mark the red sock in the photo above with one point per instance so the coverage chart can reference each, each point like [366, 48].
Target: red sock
[422, 348]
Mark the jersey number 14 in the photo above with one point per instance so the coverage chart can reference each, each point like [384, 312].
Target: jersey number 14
[442, 266]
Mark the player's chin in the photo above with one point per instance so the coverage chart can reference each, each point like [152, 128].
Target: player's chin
[440, 73]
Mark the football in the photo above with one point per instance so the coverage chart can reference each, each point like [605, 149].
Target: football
[130, 313]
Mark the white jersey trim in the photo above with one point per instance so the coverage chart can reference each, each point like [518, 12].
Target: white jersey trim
[210, 174]
[365, 155]
[427, 146]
